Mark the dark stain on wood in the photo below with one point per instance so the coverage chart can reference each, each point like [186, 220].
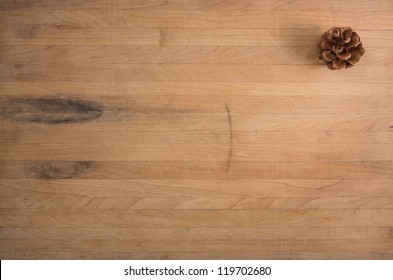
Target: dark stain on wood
[51, 111]
[60, 170]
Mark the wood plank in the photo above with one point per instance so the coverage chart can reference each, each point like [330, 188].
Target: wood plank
[196, 188]
[246, 255]
[181, 149]
[46, 35]
[128, 122]
[208, 104]
[182, 234]
[200, 218]
[13, 136]
[241, 203]
[79, 72]
[196, 246]
[245, 5]
[194, 170]
[222, 89]
[124, 55]
[63, 19]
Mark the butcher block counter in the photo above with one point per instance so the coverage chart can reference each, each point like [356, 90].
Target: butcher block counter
[194, 129]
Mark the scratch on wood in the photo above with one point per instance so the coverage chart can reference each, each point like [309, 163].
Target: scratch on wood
[281, 5]
[371, 126]
[230, 151]
[330, 185]
[60, 170]
[51, 111]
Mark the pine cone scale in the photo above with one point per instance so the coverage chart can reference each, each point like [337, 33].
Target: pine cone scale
[339, 64]
[328, 55]
[339, 48]
[344, 55]
[355, 41]
[347, 35]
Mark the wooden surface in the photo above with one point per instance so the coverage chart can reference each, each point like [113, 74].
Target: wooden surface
[151, 129]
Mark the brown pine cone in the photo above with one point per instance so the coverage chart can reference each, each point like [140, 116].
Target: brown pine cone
[340, 47]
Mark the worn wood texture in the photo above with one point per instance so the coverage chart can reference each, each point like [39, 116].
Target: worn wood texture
[182, 129]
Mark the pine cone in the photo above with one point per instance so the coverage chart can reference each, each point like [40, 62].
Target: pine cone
[340, 47]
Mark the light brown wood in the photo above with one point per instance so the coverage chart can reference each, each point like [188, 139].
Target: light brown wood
[188, 129]
[125, 55]
[245, 5]
[139, 36]
[113, 18]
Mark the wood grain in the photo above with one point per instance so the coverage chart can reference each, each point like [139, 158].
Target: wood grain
[196, 188]
[138, 36]
[125, 55]
[229, 255]
[195, 169]
[292, 233]
[254, 89]
[79, 72]
[187, 129]
[246, 5]
[82, 19]
[200, 218]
